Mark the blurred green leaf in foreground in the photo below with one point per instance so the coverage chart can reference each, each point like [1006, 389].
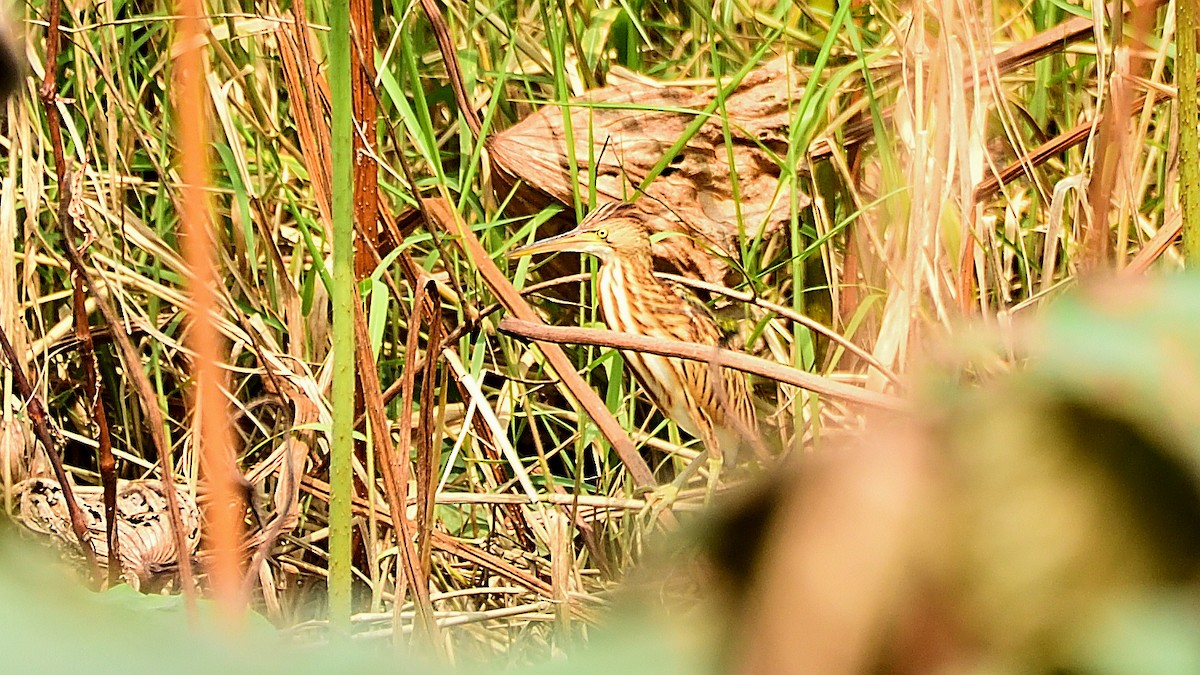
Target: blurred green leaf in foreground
[50, 624]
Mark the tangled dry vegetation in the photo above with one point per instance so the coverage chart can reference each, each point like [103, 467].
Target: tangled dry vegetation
[847, 184]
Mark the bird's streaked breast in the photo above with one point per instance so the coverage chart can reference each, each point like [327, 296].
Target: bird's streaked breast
[648, 307]
[656, 373]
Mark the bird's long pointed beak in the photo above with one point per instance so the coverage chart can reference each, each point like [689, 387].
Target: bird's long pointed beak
[567, 241]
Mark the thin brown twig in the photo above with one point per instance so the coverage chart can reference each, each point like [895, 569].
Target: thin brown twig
[155, 425]
[41, 428]
[740, 296]
[441, 32]
[394, 462]
[1059, 144]
[429, 454]
[49, 98]
[1158, 244]
[105, 460]
[1035, 157]
[791, 315]
[49, 89]
[687, 350]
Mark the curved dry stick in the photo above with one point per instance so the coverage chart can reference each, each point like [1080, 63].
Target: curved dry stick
[441, 33]
[694, 352]
[740, 296]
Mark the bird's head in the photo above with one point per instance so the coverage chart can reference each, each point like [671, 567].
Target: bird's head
[614, 230]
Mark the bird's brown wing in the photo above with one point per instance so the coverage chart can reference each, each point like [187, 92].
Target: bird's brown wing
[700, 322]
[728, 406]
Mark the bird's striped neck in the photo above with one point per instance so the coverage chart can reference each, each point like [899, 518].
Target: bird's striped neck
[634, 272]
[639, 268]
[623, 285]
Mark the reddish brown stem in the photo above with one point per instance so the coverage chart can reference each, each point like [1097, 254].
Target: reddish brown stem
[49, 98]
[441, 33]
[428, 448]
[366, 172]
[41, 428]
[105, 460]
[154, 424]
[687, 350]
[49, 89]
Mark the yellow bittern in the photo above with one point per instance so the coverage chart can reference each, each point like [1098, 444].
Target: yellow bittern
[717, 409]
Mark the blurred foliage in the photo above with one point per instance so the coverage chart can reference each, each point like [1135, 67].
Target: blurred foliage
[51, 624]
[1042, 518]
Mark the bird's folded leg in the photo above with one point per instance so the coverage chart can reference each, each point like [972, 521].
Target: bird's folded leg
[714, 477]
[716, 458]
[663, 497]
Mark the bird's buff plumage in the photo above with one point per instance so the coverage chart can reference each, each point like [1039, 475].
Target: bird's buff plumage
[713, 406]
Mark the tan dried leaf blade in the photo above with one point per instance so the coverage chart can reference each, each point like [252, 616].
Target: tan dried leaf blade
[624, 129]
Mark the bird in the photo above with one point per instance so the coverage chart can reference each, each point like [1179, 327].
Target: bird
[715, 407]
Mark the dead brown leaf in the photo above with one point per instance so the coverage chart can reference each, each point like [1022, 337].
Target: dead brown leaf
[619, 132]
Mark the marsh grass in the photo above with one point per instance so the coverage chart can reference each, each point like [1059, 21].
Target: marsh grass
[904, 113]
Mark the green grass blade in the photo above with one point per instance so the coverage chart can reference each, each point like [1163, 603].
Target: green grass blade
[342, 296]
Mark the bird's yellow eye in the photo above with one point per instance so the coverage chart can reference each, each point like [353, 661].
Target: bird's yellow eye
[602, 233]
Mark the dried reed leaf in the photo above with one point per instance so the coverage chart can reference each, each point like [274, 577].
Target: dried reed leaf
[620, 132]
[15, 443]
